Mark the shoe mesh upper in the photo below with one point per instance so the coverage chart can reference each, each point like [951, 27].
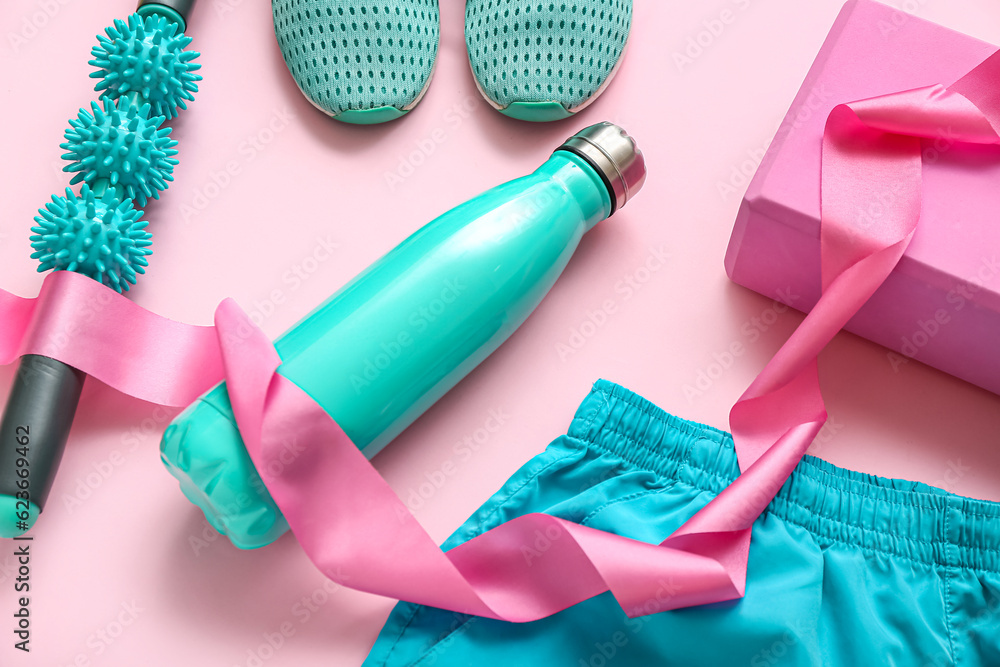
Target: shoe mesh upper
[545, 51]
[358, 54]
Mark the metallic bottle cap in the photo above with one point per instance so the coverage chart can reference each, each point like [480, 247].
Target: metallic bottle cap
[615, 156]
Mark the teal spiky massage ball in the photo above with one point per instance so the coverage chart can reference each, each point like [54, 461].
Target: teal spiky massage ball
[122, 145]
[147, 57]
[103, 239]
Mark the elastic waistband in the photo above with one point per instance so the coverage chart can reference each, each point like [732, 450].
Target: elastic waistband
[907, 519]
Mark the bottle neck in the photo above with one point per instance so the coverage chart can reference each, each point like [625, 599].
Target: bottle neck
[582, 182]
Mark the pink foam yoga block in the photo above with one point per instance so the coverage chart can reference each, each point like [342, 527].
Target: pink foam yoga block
[941, 305]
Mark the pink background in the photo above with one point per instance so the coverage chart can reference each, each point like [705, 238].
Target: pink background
[119, 542]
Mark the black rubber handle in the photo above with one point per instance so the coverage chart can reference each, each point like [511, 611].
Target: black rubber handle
[41, 407]
[182, 7]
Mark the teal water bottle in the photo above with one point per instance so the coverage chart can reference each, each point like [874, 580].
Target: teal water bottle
[390, 343]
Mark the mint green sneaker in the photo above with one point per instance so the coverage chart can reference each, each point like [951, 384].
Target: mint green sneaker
[359, 61]
[543, 60]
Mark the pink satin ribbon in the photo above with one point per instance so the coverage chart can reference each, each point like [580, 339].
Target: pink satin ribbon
[88, 326]
[357, 531]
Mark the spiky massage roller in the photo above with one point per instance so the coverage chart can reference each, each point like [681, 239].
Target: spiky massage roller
[122, 145]
[147, 57]
[100, 238]
[120, 151]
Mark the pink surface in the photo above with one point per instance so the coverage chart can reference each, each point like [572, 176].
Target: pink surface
[119, 543]
[107, 336]
[359, 533]
[942, 304]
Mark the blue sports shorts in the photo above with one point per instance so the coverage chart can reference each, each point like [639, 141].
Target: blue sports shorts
[845, 568]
